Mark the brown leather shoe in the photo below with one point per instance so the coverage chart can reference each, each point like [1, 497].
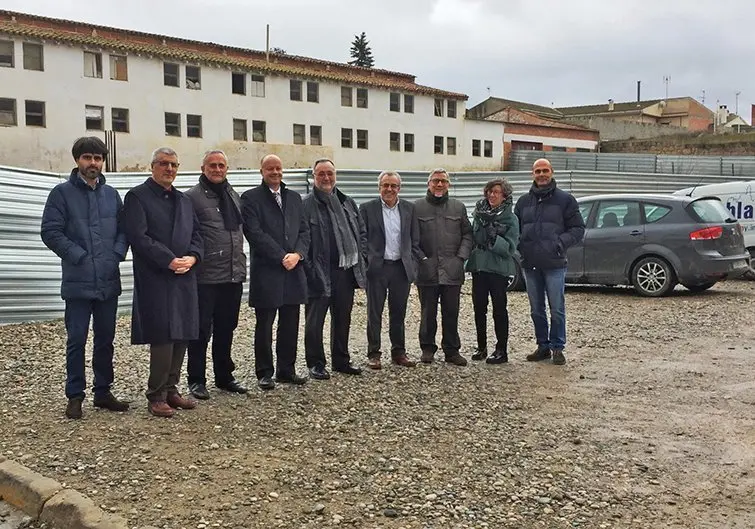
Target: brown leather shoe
[427, 357]
[160, 408]
[374, 363]
[175, 400]
[404, 361]
[456, 360]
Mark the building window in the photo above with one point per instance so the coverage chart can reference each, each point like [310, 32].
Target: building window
[7, 112]
[475, 147]
[346, 138]
[94, 117]
[33, 57]
[92, 65]
[582, 149]
[346, 95]
[259, 132]
[488, 149]
[362, 141]
[172, 124]
[439, 108]
[7, 53]
[193, 79]
[408, 142]
[300, 134]
[295, 90]
[239, 130]
[395, 104]
[119, 119]
[451, 109]
[315, 135]
[362, 98]
[118, 68]
[438, 145]
[556, 148]
[35, 113]
[170, 75]
[313, 92]
[395, 141]
[258, 86]
[238, 83]
[451, 146]
[193, 126]
[408, 104]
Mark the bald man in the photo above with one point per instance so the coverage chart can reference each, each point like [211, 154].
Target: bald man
[278, 234]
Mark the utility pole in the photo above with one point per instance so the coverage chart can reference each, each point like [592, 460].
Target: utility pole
[736, 107]
[702, 99]
[667, 80]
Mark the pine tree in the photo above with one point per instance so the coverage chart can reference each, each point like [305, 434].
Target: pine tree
[361, 52]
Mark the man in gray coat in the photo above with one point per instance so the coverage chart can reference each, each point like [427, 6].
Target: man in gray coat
[445, 237]
[220, 276]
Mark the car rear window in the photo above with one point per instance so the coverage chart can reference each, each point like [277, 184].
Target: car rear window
[709, 211]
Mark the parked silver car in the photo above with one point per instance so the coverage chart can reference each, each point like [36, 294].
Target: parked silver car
[653, 242]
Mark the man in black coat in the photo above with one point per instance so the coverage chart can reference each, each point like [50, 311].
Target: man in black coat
[550, 223]
[220, 276]
[277, 231]
[80, 224]
[163, 231]
[335, 267]
[392, 254]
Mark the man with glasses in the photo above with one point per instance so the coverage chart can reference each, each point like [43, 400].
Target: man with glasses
[220, 276]
[335, 267]
[80, 224]
[550, 223]
[163, 231]
[445, 238]
[392, 255]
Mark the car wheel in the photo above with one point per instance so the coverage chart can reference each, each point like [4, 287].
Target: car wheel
[517, 282]
[653, 277]
[700, 287]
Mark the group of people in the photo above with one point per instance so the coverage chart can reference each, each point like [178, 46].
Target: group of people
[190, 267]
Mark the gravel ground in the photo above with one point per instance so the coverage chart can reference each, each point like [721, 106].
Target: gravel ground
[650, 424]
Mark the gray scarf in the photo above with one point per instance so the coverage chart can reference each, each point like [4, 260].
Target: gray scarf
[344, 226]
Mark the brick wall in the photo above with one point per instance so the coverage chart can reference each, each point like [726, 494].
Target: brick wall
[707, 144]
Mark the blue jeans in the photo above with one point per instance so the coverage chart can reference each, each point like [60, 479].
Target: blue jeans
[77, 316]
[541, 284]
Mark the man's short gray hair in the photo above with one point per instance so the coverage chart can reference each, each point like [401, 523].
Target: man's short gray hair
[389, 173]
[438, 170]
[214, 151]
[167, 151]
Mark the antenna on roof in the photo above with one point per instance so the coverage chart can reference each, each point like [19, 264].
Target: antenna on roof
[667, 80]
[488, 91]
[267, 42]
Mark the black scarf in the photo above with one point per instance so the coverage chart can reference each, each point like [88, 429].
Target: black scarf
[543, 192]
[487, 215]
[344, 227]
[432, 199]
[228, 209]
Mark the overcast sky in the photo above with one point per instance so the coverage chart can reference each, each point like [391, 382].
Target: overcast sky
[548, 52]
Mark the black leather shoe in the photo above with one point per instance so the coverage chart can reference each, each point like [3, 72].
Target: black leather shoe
[499, 357]
[199, 391]
[266, 383]
[319, 373]
[73, 409]
[291, 379]
[348, 369]
[541, 353]
[233, 386]
[481, 353]
[108, 402]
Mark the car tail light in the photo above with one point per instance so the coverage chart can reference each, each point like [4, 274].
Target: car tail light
[707, 234]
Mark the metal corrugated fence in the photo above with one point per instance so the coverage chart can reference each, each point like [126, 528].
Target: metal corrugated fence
[30, 273]
[729, 166]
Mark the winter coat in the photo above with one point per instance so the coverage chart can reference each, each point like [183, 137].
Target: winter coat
[550, 223]
[224, 259]
[445, 237]
[165, 306]
[497, 258]
[80, 224]
[273, 232]
[317, 264]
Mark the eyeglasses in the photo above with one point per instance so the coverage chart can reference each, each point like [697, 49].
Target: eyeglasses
[541, 171]
[439, 181]
[91, 157]
[390, 186]
[165, 163]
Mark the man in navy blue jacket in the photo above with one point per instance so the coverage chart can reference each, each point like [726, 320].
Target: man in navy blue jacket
[550, 223]
[80, 225]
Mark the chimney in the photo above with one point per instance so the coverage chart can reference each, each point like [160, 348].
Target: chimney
[638, 90]
[752, 115]
[610, 105]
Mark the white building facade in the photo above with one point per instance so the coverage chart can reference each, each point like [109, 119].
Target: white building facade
[60, 80]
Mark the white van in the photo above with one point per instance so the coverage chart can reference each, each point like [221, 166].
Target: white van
[739, 199]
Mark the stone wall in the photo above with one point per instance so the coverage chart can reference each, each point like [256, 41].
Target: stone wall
[706, 145]
[616, 129]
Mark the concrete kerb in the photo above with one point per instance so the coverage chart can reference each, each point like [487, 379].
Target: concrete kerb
[45, 499]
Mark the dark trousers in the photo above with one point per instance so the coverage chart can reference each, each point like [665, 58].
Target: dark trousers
[393, 283]
[339, 304]
[165, 361]
[219, 306]
[485, 284]
[77, 315]
[285, 342]
[449, 311]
